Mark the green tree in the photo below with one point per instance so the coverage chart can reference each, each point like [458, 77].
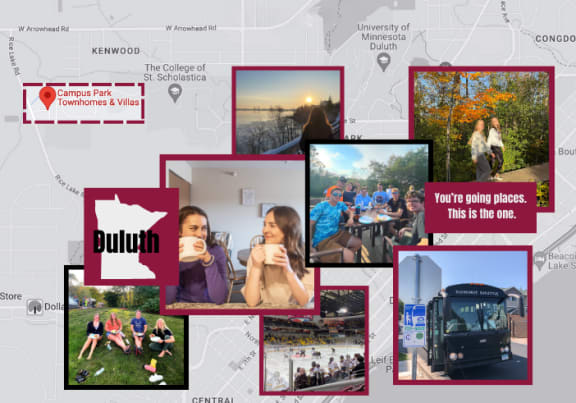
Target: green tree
[447, 105]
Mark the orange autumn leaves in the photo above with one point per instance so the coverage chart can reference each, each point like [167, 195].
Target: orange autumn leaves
[464, 97]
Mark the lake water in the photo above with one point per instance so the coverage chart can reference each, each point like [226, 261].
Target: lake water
[246, 117]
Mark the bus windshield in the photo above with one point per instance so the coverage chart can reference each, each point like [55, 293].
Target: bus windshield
[474, 315]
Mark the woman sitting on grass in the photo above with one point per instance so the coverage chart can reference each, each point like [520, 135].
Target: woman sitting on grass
[162, 339]
[94, 331]
[114, 332]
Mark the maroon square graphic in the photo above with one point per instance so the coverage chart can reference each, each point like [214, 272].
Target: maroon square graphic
[131, 236]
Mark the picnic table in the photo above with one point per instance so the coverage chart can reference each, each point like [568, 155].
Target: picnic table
[370, 219]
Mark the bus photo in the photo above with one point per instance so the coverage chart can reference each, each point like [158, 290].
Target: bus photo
[467, 326]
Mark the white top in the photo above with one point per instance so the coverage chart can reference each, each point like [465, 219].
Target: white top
[274, 288]
[494, 138]
[478, 145]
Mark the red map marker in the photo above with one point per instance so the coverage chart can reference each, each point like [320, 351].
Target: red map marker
[47, 96]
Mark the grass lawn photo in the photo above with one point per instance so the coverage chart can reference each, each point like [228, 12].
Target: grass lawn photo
[121, 370]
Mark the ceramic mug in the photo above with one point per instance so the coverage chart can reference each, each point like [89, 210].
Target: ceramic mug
[189, 254]
[270, 249]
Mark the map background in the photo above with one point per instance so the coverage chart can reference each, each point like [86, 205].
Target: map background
[41, 221]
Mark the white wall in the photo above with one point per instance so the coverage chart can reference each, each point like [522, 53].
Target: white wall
[180, 168]
[220, 194]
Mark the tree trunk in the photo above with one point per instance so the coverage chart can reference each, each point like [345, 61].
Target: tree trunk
[455, 83]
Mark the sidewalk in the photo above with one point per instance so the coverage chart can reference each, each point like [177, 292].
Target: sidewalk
[422, 373]
[519, 340]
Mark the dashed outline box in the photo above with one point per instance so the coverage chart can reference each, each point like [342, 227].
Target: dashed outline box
[83, 122]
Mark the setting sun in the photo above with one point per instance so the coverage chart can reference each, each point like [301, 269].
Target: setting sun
[309, 100]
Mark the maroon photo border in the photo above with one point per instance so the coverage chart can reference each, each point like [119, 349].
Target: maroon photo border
[468, 248]
[83, 122]
[366, 392]
[164, 158]
[412, 70]
[284, 68]
[93, 277]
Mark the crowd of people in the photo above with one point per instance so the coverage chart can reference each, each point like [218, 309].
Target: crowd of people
[305, 340]
[343, 202]
[286, 281]
[335, 370]
[161, 337]
[294, 340]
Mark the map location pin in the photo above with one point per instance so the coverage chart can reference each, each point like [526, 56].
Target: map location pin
[175, 90]
[47, 96]
[539, 259]
[383, 60]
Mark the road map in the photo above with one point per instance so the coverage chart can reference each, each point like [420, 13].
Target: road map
[175, 59]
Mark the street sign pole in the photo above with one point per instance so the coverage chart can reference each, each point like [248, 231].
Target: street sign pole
[414, 330]
[416, 301]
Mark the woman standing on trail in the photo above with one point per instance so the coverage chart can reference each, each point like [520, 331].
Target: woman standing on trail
[479, 148]
[496, 147]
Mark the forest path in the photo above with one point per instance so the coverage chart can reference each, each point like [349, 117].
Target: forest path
[536, 173]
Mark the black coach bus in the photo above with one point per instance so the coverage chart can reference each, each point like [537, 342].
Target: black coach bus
[467, 326]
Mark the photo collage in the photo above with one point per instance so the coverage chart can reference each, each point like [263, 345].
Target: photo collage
[257, 233]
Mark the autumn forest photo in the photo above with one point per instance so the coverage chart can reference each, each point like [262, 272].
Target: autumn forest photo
[509, 108]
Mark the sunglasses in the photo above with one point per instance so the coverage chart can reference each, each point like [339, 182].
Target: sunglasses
[336, 194]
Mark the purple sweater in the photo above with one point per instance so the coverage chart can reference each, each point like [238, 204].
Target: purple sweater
[200, 282]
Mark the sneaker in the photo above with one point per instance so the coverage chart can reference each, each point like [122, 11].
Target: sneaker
[498, 178]
[128, 351]
[155, 378]
[162, 383]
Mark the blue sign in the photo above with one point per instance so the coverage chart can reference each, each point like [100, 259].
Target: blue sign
[414, 334]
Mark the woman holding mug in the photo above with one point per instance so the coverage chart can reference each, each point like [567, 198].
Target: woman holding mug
[276, 271]
[202, 272]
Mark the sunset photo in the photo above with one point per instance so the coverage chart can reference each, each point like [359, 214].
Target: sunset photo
[276, 110]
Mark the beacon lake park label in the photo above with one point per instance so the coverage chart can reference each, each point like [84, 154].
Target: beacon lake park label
[83, 103]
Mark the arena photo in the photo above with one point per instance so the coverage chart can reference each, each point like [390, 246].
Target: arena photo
[318, 353]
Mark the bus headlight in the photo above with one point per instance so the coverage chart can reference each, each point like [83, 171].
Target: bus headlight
[506, 349]
[460, 356]
[453, 356]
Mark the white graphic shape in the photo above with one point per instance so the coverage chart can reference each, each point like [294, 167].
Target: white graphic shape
[112, 216]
